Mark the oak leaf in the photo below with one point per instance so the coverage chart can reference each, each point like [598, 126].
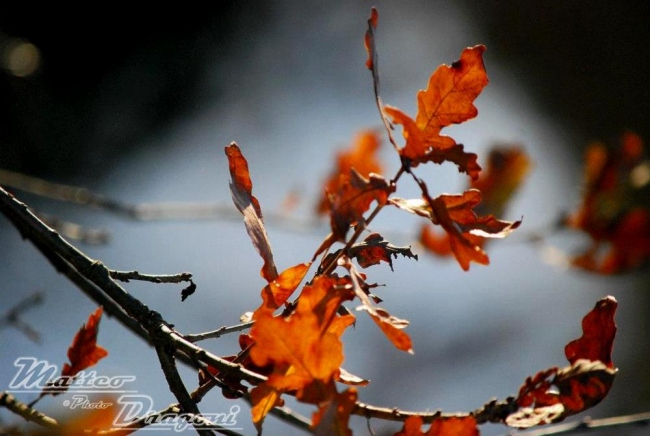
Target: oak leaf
[278, 291]
[457, 426]
[82, 353]
[375, 249]
[362, 156]
[241, 189]
[354, 196]
[304, 348]
[391, 326]
[454, 213]
[553, 394]
[333, 415]
[448, 99]
[506, 169]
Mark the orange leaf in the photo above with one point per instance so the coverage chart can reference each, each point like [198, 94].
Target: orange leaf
[448, 99]
[353, 185]
[84, 421]
[457, 426]
[304, 348]
[507, 167]
[353, 198]
[369, 41]
[553, 394]
[454, 213]
[391, 326]
[241, 188]
[362, 156]
[82, 353]
[333, 416]
[276, 293]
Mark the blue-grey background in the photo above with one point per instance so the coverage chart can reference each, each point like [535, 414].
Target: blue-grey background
[139, 106]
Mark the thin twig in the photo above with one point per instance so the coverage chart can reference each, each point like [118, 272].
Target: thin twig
[126, 276]
[141, 211]
[12, 317]
[75, 231]
[27, 413]
[218, 332]
[588, 425]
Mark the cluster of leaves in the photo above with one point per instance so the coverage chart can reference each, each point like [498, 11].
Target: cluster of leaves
[615, 209]
[555, 393]
[297, 344]
[295, 341]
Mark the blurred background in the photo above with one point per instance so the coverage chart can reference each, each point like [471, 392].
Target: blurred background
[138, 105]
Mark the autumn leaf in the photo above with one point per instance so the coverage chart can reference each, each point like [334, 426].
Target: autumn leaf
[333, 415]
[454, 213]
[82, 353]
[507, 168]
[277, 292]
[391, 326]
[352, 186]
[553, 394]
[362, 156]
[375, 249]
[354, 196]
[304, 348]
[241, 188]
[615, 209]
[448, 99]
[457, 426]
[373, 66]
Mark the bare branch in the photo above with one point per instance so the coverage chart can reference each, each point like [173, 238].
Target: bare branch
[218, 332]
[587, 425]
[75, 231]
[126, 276]
[12, 317]
[93, 278]
[7, 400]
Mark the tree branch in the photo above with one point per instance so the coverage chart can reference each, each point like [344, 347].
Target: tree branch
[218, 332]
[587, 425]
[93, 278]
[12, 317]
[126, 276]
[7, 400]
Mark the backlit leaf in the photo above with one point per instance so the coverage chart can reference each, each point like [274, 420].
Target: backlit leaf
[354, 196]
[241, 188]
[333, 415]
[457, 426]
[507, 168]
[448, 99]
[553, 394]
[82, 353]
[454, 213]
[391, 326]
[277, 292]
[304, 349]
